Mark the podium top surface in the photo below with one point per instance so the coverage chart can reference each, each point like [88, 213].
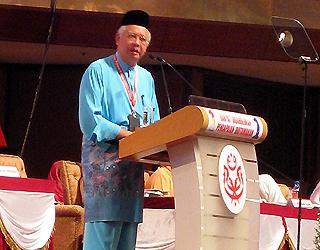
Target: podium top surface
[192, 121]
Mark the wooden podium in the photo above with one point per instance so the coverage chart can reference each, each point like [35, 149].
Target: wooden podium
[194, 138]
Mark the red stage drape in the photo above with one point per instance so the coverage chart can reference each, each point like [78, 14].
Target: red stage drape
[3, 143]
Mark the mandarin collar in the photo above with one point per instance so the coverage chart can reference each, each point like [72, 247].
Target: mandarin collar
[125, 67]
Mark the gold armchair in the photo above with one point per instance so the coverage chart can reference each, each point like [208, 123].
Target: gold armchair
[14, 161]
[69, 223]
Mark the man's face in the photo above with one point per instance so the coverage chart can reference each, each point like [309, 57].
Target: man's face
[132, 43]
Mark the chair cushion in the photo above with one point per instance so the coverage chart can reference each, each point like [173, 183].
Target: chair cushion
[54, 175]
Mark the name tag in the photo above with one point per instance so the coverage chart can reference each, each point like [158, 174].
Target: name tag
[304, 203]
[9, 171]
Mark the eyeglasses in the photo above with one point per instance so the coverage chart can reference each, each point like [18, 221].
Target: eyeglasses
[133, 37]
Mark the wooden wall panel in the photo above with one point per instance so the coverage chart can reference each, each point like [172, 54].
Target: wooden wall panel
[170, 35]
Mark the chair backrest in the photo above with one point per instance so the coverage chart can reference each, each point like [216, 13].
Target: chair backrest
[54, 175]
[13, 161]
[72, 182]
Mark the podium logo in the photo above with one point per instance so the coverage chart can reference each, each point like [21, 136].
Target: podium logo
[232, 179]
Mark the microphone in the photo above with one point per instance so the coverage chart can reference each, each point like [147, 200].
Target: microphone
[164, 82]
[161, 60]
[53, 7]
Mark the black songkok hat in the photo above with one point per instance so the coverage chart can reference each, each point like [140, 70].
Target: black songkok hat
[136, 17]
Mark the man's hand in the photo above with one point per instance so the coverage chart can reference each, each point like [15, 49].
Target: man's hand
[123, 133]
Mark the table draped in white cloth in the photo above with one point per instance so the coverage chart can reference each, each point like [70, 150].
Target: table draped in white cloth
[27, 212]
[278, 224]
[157, 230]
[307, 234]
[272, 232]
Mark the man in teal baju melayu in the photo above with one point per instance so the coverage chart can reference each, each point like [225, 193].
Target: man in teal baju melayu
[115, 92]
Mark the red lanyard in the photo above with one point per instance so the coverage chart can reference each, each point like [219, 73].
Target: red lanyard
[132, 96]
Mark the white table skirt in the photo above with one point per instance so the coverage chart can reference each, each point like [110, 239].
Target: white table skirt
[28, 217]
[158, 229]
[27, 211]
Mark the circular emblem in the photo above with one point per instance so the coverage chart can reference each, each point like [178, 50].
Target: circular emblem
[232, 179]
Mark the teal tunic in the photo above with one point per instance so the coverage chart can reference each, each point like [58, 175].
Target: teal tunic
[113, 189]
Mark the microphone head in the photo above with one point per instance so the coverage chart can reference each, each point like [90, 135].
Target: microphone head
[152, 56]
[286, 39]
[160, 59]
[157, 58]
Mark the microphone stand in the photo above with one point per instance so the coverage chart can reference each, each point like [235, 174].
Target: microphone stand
[302, 60]
[160, 59]
[36, 96]
[164, 82]
[288, 30]
[166, 87]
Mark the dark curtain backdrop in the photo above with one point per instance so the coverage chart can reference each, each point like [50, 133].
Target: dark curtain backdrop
[3, 81]
[55, 132]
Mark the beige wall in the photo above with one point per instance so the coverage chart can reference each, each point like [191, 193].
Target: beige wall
[239, 11]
